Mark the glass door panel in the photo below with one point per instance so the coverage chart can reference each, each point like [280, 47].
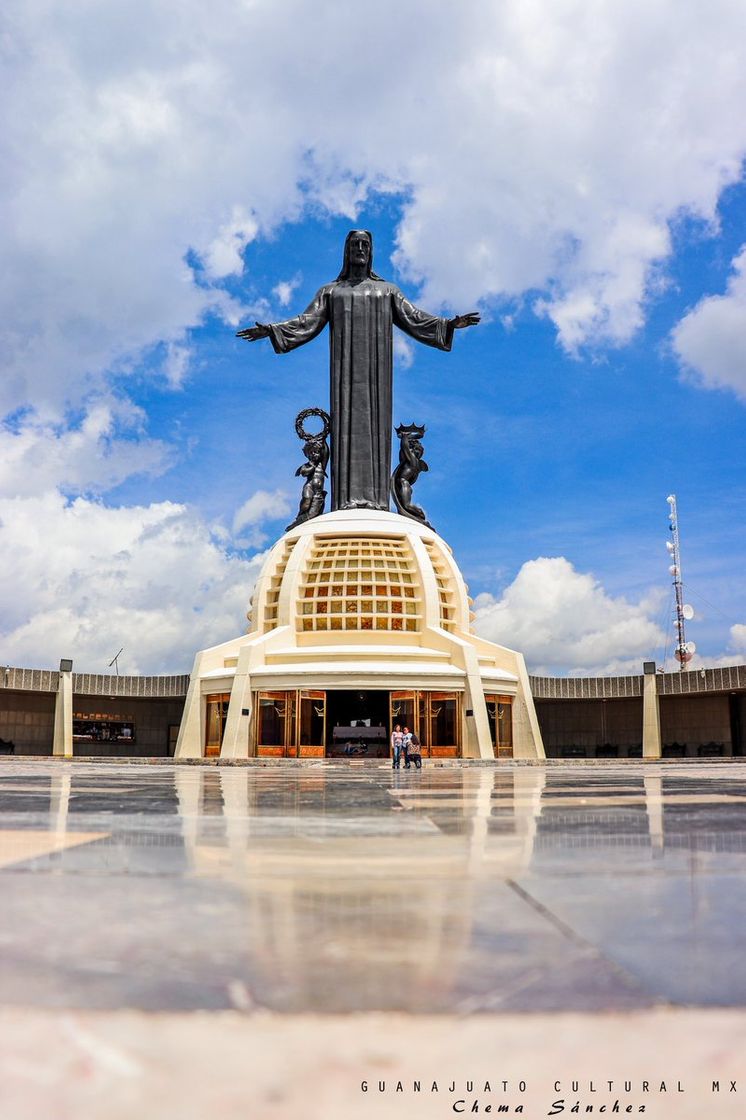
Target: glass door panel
[402, 708]
[274, 714]
[491, 702]
[311, 725]
[444, 724]
[402, 711]
[500, 716]
[216, 715]
[505, 727]
[423, 728]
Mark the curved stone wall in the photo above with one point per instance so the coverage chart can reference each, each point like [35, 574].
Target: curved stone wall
[703, 712]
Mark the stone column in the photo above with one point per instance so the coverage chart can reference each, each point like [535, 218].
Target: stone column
[237, 726]
[651, 718]
[190, 743]
[62, 744]
[477, 740]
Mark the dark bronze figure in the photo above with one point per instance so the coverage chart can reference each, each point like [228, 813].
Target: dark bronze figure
[362, 311]
[411, 464]
[316, 451]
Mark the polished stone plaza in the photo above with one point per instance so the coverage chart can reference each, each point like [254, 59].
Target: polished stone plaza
[300, 893]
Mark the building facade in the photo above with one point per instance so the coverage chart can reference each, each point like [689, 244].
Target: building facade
[360, 620]
[701, 714]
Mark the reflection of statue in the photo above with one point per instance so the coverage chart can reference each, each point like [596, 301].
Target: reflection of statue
[361, 310]
[406, 474]
[313, 470]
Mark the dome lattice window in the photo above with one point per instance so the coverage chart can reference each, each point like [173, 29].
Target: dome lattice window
[360, 583]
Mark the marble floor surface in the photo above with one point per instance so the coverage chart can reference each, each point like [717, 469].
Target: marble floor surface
[190, 941]
[342, 889]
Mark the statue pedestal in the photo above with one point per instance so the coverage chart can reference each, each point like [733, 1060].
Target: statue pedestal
[359, 618]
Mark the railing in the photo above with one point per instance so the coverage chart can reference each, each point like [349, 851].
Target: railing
[732, 678]
[585, 688]
[95, 684]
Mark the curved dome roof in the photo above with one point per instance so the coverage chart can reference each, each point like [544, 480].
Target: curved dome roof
[360, 571]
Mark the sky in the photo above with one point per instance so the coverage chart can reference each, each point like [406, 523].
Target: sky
[175, 170]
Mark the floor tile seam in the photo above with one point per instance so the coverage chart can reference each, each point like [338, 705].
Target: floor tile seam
[107, 875]
[663, 1013]
[578, 940]
[221, 881]
[642, 873]
[594, 873]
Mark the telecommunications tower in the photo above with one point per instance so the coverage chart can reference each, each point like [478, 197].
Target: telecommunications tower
[684, 650]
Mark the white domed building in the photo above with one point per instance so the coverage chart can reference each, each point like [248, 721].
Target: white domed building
[360, 619]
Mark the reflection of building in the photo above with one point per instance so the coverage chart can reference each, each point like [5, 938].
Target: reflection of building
[329, 889]
[359, 618]
[364, 917]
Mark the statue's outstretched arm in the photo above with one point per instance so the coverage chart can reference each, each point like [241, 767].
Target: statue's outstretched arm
[293, 332]
[458, 322]
[251, 334]
[433, 330]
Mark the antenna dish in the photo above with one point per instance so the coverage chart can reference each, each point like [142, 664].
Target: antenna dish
[688, 611]
[671, 499]
[690, 647]
[669, 546]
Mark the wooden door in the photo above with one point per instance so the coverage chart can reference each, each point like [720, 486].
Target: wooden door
[275, 723]
[443, 716]
[311, 724]
[216, 715]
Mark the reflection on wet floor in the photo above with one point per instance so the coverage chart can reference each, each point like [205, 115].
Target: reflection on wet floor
[334, 888]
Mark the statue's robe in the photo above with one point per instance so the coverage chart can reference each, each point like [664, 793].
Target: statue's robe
[361, 317]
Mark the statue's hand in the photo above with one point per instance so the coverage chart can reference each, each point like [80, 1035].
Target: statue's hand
[470, 320]
[251, 334]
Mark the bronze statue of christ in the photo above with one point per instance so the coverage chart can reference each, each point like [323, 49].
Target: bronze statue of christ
[361, 310]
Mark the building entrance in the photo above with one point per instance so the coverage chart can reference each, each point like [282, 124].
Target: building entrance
[355, 723]
[358, 724]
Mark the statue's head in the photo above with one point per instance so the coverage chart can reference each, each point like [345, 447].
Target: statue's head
[358, 254]
[313, 449]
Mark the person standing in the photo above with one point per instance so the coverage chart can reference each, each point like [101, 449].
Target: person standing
[414, 751]
[406, 740]
[396, 745]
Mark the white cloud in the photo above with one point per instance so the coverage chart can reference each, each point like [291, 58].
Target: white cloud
[563, 620]
[543, 147]
[81, 579]
[261, 506]
[223, 256]
[176, 365]
[403, 351]
[284, 290]
[94, 453]
[714, 661]
[711, 339]
[738, 636]
[607, 281]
